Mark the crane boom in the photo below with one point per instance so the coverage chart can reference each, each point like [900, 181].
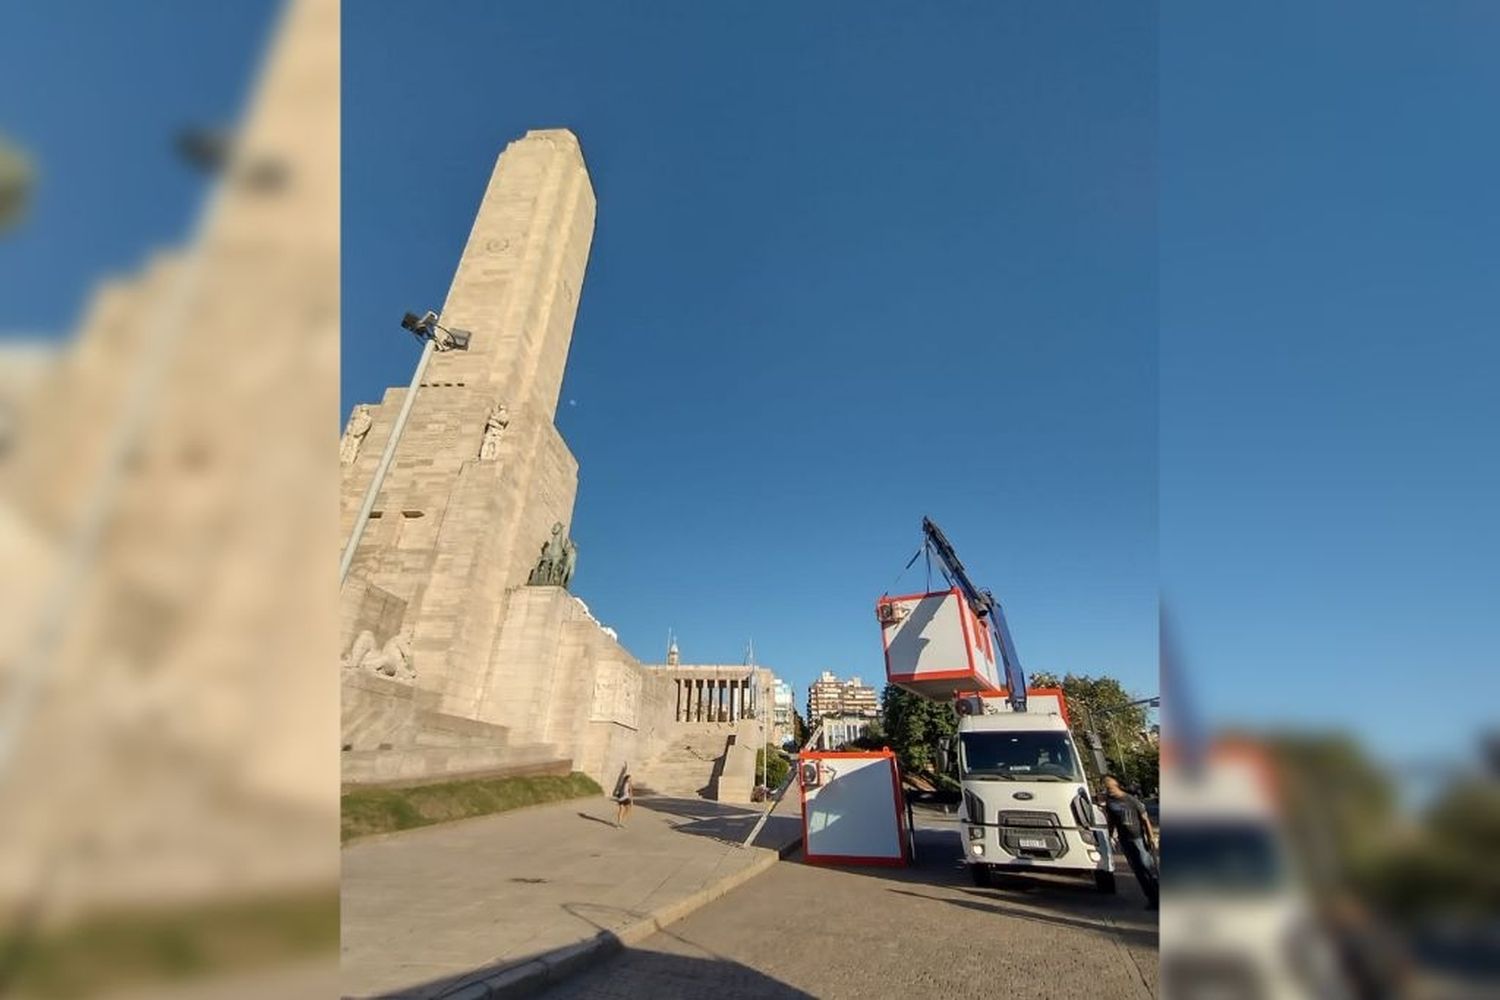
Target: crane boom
[984, 606]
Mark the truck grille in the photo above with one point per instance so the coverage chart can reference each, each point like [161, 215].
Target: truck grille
[973, 807]
[1030, 833]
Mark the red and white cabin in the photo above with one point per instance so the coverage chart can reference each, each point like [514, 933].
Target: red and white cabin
[853, 812]
[936, 646]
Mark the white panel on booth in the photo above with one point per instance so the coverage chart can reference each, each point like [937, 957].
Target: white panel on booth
[852, 808]
[935, 646]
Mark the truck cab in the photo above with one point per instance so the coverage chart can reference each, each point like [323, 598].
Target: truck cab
[1025, 804]
[1238, 918]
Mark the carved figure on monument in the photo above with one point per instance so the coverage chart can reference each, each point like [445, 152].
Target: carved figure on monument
[364, 645]
[494, 425]
[545, 572]
[354, 434]
[567, 562]
[555, 567]
[391, 660]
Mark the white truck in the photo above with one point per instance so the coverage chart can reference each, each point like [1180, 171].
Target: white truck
[1026, 805]
[1239, 919]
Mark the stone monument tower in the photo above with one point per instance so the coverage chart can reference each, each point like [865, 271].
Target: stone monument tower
[481, 475]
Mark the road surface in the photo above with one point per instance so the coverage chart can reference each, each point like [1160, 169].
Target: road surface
[802, 930]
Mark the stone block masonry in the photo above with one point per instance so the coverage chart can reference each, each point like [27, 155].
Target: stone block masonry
[481, 476]
[479, 479]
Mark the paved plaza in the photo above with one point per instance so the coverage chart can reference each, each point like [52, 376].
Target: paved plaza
[427, 911]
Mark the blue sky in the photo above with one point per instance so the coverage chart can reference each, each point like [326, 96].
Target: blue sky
[847, 271]
[853, 270]
[1329, 269]
[96, 94]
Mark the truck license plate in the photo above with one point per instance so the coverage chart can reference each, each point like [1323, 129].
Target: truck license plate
[1034, 842]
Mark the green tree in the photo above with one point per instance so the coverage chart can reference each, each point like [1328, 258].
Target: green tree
[915, 727]
[1340, 806]
[16, 178]
[874, 738]
[1447, 868]
[1103, 704]
[776, 767]
[799, 729]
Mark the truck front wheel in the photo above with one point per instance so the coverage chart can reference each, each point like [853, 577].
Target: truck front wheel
[981, 875]
[1105, 882]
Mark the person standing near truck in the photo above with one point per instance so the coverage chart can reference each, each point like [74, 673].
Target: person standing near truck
[1132, 828]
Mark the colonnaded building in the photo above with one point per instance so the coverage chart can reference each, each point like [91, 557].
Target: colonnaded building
[464, 653]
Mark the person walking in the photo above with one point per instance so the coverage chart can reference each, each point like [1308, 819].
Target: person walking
[627, 792]
[1132, 828]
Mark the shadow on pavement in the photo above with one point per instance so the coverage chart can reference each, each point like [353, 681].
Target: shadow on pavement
[1140, 935]
[620, 972]
[939, 865]
[721, 821]
[637, 972]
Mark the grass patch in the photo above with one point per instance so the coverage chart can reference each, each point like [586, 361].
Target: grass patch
[134, 948]
[381, 810]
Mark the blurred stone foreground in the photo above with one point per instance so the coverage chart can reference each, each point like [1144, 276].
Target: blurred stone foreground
[180, 750]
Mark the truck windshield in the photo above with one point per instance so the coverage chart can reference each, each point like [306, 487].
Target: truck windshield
[1023, 756]
[1217, 856]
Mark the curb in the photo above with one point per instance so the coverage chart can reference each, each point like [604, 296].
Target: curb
[535, 975]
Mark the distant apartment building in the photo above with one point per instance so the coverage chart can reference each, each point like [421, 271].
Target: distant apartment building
[829, 695]
[783, 708]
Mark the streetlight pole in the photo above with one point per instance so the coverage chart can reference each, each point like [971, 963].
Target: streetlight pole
[426, 329]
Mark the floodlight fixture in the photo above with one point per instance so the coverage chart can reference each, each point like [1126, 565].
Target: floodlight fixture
[426, 327]
[215, 151]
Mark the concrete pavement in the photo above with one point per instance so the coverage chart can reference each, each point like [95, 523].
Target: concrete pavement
[432, 912]
[802, 930]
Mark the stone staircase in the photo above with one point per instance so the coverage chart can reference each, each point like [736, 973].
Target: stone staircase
[680, 772]
[699, 762]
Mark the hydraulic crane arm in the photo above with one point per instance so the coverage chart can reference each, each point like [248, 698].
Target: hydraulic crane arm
[985, 608]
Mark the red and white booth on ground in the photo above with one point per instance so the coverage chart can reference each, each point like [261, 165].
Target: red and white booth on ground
[853, 810]
[936, 646]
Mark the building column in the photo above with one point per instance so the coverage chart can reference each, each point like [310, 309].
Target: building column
[697, 699]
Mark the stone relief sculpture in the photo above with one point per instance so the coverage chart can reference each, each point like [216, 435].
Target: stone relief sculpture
[494, 425]
[391, 660]
[555, 567]
[354, 434]
[567, 562]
